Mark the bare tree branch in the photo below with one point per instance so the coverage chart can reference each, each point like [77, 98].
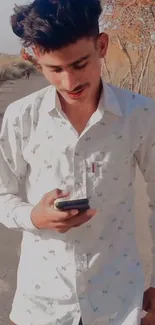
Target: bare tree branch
[124, 49]
[144, 68]
[107, 70]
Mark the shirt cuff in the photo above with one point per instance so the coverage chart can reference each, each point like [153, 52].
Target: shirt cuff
[23, 218]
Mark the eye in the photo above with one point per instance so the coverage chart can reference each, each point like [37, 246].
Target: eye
[56, 70]
[80, 66]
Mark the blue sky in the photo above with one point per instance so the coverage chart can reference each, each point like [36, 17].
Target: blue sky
[9, 43]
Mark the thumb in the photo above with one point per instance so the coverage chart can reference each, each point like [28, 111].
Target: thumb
[148, 319]
[54, 195]
[146, 301]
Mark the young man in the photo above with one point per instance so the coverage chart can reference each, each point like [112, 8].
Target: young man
[78, 138]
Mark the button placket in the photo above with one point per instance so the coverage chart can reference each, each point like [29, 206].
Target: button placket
[81, 267]
[79, 173]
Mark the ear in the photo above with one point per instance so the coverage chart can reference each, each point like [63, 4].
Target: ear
[102, 44]
[36, 52]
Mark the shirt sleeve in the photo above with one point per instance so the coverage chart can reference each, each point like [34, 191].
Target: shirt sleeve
[145, 157]
[14, 213]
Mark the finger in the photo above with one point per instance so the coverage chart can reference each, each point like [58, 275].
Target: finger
[81, 222]
[61, 216]
[149, 319]
[81, 218]
[58, 229]
[50, 197]
[87, 213]
[70, 223]
[70, 218]
[91, 212]
[146, 300]
[67, 224]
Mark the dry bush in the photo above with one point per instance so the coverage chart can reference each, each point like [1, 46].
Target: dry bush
[9, 73]
[24, 65]
[13, 67]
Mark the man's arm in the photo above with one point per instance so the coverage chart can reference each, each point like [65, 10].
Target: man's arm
[145, 157]
[14, 213]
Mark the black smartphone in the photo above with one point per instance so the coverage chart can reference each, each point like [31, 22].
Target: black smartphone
[80, 205]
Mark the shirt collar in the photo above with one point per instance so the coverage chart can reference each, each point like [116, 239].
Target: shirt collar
[108, 100]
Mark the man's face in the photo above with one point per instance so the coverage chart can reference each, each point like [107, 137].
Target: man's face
[75, 69]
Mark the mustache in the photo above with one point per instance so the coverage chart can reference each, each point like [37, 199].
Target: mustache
[78, 88]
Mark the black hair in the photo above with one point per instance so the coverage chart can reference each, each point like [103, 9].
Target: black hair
[53, 24]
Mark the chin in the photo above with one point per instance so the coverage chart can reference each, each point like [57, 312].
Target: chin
[78, 101]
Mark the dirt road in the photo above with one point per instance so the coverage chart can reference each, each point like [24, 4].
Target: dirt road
[10, 240]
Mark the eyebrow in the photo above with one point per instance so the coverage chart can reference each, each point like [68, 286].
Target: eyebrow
[70, 64]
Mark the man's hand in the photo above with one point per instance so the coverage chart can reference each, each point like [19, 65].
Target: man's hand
[44, 216]
[149, 307]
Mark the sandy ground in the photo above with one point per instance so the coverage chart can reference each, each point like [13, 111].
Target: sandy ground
[10, 240]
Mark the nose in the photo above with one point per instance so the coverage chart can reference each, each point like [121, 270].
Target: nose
[70, 80]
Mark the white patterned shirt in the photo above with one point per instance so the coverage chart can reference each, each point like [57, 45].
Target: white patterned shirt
[93, 271]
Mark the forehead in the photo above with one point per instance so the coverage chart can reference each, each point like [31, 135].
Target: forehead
[70, 53]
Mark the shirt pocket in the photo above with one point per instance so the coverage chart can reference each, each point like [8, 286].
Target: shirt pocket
[95, 174]
[108, 182]
[97, 169]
